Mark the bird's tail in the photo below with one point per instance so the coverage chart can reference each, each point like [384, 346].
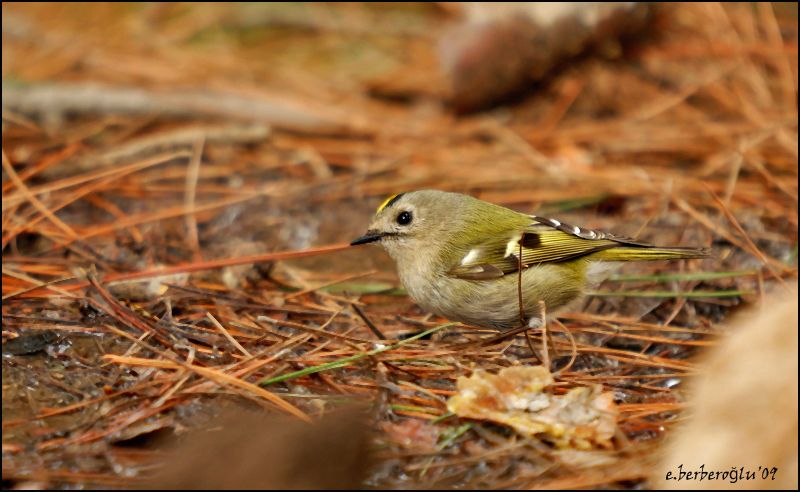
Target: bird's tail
[651, 253]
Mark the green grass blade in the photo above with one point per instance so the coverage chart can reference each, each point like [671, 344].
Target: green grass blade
[658, 294]
[453, 435]
[442, 417]
[413, 408]
[365, 288]
[666, 277]
[566, 205]
[347, 360]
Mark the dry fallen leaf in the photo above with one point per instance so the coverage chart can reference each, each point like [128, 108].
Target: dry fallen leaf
[582, 418]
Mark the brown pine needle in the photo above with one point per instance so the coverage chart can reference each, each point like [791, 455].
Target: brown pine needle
[227, 335]
[214, 375]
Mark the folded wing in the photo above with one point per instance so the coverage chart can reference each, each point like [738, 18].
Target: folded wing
[544, 241]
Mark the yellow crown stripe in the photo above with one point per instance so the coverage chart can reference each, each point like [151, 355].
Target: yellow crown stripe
[386, 202]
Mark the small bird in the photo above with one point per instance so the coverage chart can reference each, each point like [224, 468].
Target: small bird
[460, 257]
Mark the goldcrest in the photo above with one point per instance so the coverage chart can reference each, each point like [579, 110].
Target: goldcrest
[461, 257]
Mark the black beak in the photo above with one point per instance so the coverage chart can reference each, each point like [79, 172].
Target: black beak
[369, 237]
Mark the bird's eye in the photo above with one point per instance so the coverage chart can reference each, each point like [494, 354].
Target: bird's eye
[404, 218]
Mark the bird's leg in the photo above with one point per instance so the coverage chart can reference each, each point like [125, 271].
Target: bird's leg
[519, 285]
[522, 308]
[543, 320]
